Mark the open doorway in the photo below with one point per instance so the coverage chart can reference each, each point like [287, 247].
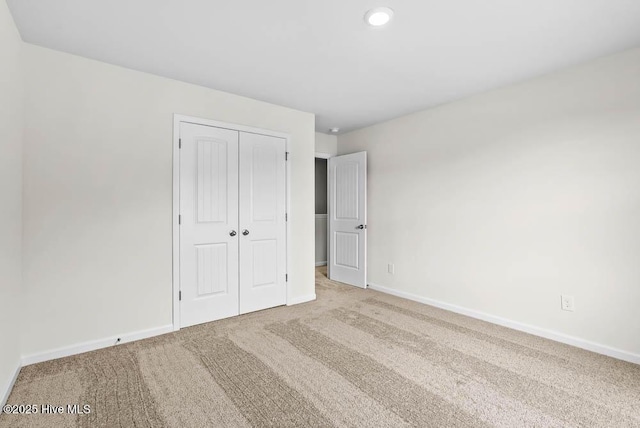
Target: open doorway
[341, 218]
[321, 211]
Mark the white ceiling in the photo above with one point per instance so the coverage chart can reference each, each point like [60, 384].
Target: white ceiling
[319, 55]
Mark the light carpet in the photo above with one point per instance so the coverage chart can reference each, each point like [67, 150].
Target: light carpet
[353, 358]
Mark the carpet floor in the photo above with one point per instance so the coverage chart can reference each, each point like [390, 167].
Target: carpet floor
[352, 358]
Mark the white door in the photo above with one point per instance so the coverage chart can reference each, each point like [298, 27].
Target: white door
[262, 222]
[209, 236]
[348, 219]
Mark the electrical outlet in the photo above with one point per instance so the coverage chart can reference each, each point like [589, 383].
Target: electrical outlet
[391, 268]
[567, 303]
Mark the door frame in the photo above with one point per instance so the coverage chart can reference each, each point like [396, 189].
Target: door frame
[177, 119]
[326, 156]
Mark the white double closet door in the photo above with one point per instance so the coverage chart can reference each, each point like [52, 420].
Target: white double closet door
[232, 223]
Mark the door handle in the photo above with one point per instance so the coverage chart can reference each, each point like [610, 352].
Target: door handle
[232, 233]
[245, 232]
[362, 226]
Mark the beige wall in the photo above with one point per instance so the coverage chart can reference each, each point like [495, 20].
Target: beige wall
[11, 116]
[326, 143]
[98, 194]
[501, 202]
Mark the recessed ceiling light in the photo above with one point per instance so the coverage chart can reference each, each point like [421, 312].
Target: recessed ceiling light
[334, 130]
[379, 16]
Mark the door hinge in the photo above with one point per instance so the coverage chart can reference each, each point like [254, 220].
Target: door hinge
[286, 277]
[179, 219]
[180, 295]
[286, 156]
[179, 143]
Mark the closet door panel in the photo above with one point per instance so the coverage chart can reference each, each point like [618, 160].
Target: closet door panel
[262, 199]
[209, 215]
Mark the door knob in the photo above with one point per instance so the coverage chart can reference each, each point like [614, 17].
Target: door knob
[245, 232]
[362, 226]
[232, 233]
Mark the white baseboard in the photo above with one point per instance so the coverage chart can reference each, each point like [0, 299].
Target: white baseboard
[6, 389]
[94, 344]
[527, 328]
[324, 263]
[301, 299]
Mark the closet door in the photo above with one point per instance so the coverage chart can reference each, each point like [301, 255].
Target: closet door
[209, 236]
[262, 222]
